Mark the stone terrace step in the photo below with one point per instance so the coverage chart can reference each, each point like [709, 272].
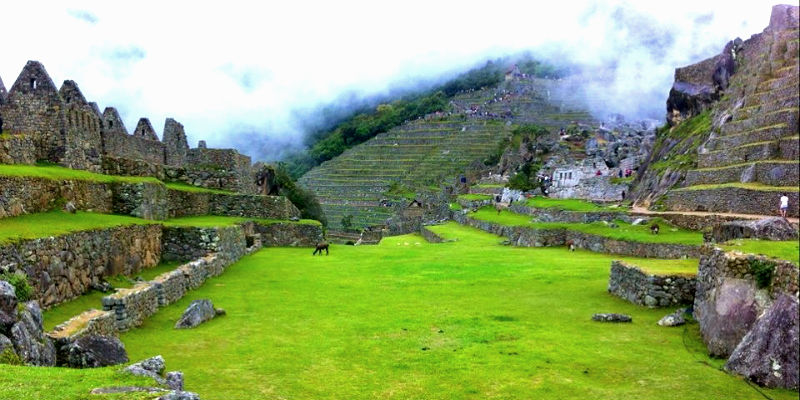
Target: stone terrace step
[788, 116]
[772, 173]
[770, 150]
[769, 95]
[765, 134]
[731, 199]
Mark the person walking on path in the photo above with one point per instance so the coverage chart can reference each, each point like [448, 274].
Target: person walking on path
[784, 204]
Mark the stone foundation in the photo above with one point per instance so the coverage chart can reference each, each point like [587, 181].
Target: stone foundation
[63, 267]
[289, 234]
[632, 284]
[731, 200]
[183, 203]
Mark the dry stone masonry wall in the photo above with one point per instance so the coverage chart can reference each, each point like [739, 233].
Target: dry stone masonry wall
[632, 284]
[64, 267]
[531, 237]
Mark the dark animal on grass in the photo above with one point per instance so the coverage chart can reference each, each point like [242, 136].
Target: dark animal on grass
[320, 247]
[571, 245]
[654, 229]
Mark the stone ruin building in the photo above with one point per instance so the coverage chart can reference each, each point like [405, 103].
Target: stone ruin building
[41, 123]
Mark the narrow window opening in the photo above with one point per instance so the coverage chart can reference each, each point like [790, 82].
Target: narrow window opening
[33, 83]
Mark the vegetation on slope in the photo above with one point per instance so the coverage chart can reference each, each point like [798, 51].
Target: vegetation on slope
[677, 146]
[45, 383]
[567, 204]
[363, 125]
[328, 327]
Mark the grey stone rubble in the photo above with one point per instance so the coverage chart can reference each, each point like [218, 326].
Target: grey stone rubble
[611, 317]
[774, 228]
[199, 311]
[154, 368]
[21, 331]
[674, 319]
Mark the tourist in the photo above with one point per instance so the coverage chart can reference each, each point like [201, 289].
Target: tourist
[784, 204]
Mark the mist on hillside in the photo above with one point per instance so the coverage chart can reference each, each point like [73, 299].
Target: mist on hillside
[262, 80]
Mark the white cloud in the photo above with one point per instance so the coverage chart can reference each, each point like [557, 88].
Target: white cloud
[224, 68]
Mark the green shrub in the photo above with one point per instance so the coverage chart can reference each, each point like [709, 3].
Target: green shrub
[304, 200]
[762, 271]
[9, 357]
[22, 288]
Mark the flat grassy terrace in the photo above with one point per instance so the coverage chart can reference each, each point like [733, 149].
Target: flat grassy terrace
[788, 250]
[475, 197]
[625, 231]
[50, 383]
[210, 221]
[568, 204]
[67, 310]
[406, 319]
[54, 223]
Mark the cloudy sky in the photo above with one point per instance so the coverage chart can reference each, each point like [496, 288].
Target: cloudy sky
[248, 74]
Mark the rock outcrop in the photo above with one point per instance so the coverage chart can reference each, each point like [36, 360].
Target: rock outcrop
[199, 311]
[93, 351]
[768, 354]
[30, 342]
[775, 228]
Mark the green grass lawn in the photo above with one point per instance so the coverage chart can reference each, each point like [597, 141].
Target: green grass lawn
[567, 204]
[54, 223]
[61, 173]
[785, 250]
[625, 231]
[50, 383]
[406, 319]
[92, 299]
[475, 196]
[189, 188]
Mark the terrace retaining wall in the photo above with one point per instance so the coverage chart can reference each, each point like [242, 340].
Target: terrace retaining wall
[289, 234]
[557, 215]
[632, 284]
[63, 267]
[729, 300]
[184, 203]
[430, 235]
[532, 237]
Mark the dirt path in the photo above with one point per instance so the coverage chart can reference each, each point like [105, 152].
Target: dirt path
[640, 210]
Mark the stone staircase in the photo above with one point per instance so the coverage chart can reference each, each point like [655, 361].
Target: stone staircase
[752, 158]
[420, 155]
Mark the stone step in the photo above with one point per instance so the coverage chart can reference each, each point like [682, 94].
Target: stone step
[776, 83]
[770, 150]
[787, 116]
[772, 173]
[741, 199]
[769, 95]
[764, 134]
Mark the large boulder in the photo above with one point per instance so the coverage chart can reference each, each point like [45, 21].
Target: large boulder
[199, 311]
[773, 228]
[30, 342]
[8, 306]
[93, 351]
[768, 354]
[725, 314]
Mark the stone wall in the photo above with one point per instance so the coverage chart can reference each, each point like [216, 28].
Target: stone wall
[632, 284]
[132, 167]
[63, 267]
[17, 149]
[558, 215]
[289, 234]
[143, 200]
[731, 199]
[132, 306]
[24, 195]
[729, 299]
[531, 237]
[90, 322]
[189, 243]
[118, 144]
[183, 203]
